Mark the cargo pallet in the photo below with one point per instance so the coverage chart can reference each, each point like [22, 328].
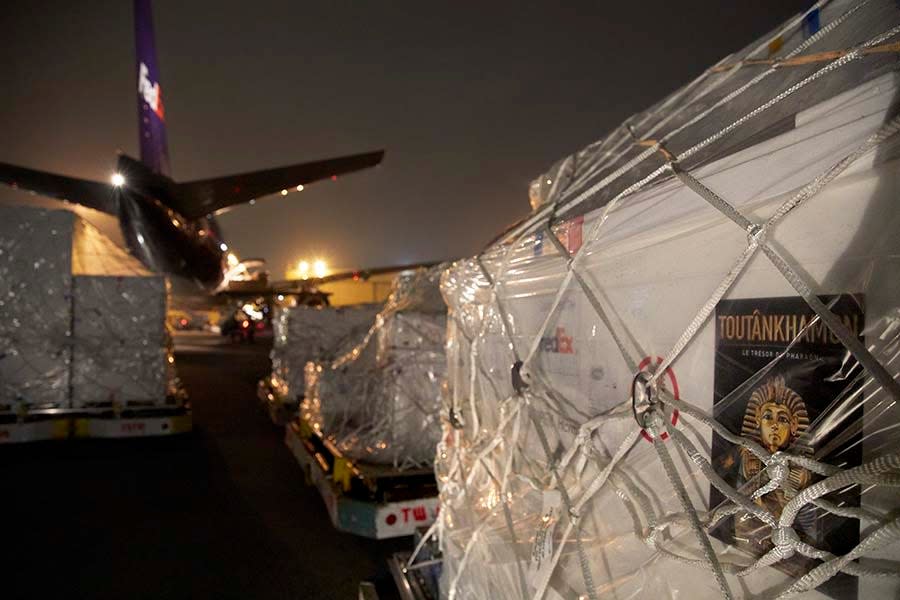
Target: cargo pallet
[60, 424]
[372, 501]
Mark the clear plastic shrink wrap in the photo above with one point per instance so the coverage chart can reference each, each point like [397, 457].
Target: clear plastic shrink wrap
[380, 401]
[689, 388]
[312, 333]
[35, 314]
[121, 342]
[83, 323]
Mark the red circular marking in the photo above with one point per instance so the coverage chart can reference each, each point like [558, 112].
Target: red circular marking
[643, 365]
[391, 519]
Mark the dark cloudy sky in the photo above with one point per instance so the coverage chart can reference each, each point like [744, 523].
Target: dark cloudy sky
[471, 100]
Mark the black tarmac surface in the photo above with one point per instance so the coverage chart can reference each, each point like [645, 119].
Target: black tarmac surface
[219, 513]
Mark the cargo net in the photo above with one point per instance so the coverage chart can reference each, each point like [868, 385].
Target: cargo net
[317, 334]
[690, 389]
[84, 324]
[379, 401]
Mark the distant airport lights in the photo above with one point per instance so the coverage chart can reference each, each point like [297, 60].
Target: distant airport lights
[318, 268]
[117, 179]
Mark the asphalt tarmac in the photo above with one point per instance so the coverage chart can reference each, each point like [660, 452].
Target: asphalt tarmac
[219, 513]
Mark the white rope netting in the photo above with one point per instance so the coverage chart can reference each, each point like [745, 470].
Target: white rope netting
[575, 463]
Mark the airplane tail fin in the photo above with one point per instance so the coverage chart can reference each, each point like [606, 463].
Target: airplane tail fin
[151, 114]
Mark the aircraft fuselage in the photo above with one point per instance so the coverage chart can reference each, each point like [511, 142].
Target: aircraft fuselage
[166, 242]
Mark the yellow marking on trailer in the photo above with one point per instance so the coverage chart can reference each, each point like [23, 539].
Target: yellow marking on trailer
[343, 473]
[81, 428]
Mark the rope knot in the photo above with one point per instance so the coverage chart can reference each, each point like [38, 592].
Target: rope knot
[650, 538]
[586, 449]
[778, 470]
[785, 540]
[582, 438]
[756, 234]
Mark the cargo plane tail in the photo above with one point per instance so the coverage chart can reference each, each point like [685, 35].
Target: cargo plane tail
[170, 226]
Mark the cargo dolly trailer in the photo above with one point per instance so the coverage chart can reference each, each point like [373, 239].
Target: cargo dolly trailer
[60, 424]
[374, 501]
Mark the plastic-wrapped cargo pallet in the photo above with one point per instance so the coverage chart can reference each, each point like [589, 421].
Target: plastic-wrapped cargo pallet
[380, 402]
[310, 333]
[83, 325]
[35, 293]
[687, 385]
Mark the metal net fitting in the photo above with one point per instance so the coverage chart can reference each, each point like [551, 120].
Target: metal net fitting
[518, 380]
[647, 405]
[454, 416]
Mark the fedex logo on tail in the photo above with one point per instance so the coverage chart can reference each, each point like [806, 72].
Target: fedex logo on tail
[150, 92]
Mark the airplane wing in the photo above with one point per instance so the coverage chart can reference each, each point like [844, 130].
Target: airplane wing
[93, 194]
[364, 274]
[198, 198]
[291, 285]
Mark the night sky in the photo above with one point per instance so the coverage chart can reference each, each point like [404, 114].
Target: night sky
[471, 101]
